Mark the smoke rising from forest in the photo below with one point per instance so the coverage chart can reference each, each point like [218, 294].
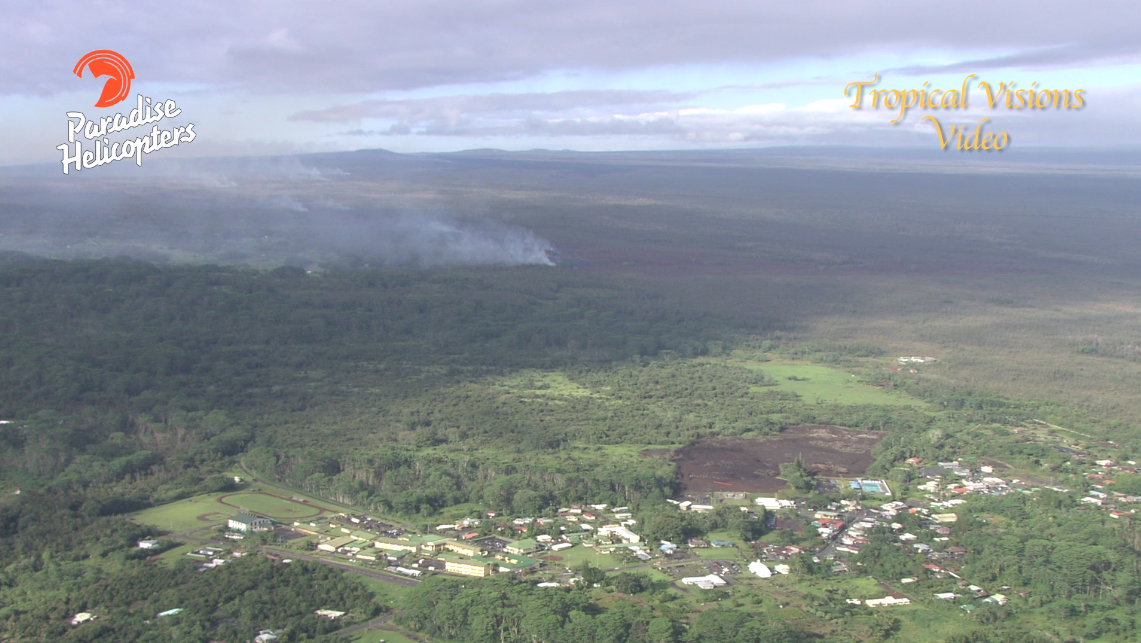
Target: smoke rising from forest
[248, 211]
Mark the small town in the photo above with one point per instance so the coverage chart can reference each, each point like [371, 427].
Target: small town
[553, 550]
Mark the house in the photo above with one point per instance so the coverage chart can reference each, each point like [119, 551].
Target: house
[619, 532]
[169, 612]
[332, 615]
[772, 504]
[247, 523]
[82, 617]
[149, 544]
[265, 636]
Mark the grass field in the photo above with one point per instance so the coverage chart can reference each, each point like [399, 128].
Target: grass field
[267, 505]
[388, 594]
[184, 515]
[575, 556]
[172, 556]
[820, 384]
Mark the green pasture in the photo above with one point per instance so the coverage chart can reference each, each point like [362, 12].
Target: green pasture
[271, 506]
[823, 385]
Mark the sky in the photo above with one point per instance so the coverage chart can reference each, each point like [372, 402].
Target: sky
[442, 75]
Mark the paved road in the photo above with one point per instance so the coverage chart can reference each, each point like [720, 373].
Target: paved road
[360, 571]
[829, 551]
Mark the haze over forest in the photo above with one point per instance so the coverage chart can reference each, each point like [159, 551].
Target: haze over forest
[424, 338]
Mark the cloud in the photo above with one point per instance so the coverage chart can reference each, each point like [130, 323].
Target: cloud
[286, 76]
[1038, 58]
[447, 108]
[368, 46]
[767, 123]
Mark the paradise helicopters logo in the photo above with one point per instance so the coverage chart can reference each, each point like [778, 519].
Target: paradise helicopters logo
[97, 130]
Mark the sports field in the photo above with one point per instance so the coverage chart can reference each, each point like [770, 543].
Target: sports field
[209, 510]
[276, 507]
[186, 515]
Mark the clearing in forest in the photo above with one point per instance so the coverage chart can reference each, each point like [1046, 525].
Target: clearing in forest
[820, 384]
[753, 464]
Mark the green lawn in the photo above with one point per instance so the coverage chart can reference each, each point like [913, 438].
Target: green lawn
[574, 557]
[825, 385]
[718, 553]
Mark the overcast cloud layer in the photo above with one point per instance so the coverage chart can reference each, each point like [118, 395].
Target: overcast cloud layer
[442, 74]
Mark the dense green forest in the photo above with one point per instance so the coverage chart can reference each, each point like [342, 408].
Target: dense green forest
[502, 610]
[116, 364]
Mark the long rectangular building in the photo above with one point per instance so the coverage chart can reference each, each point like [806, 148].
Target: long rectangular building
[477, 566]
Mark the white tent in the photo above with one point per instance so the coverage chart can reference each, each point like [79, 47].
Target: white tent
[760, 569]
